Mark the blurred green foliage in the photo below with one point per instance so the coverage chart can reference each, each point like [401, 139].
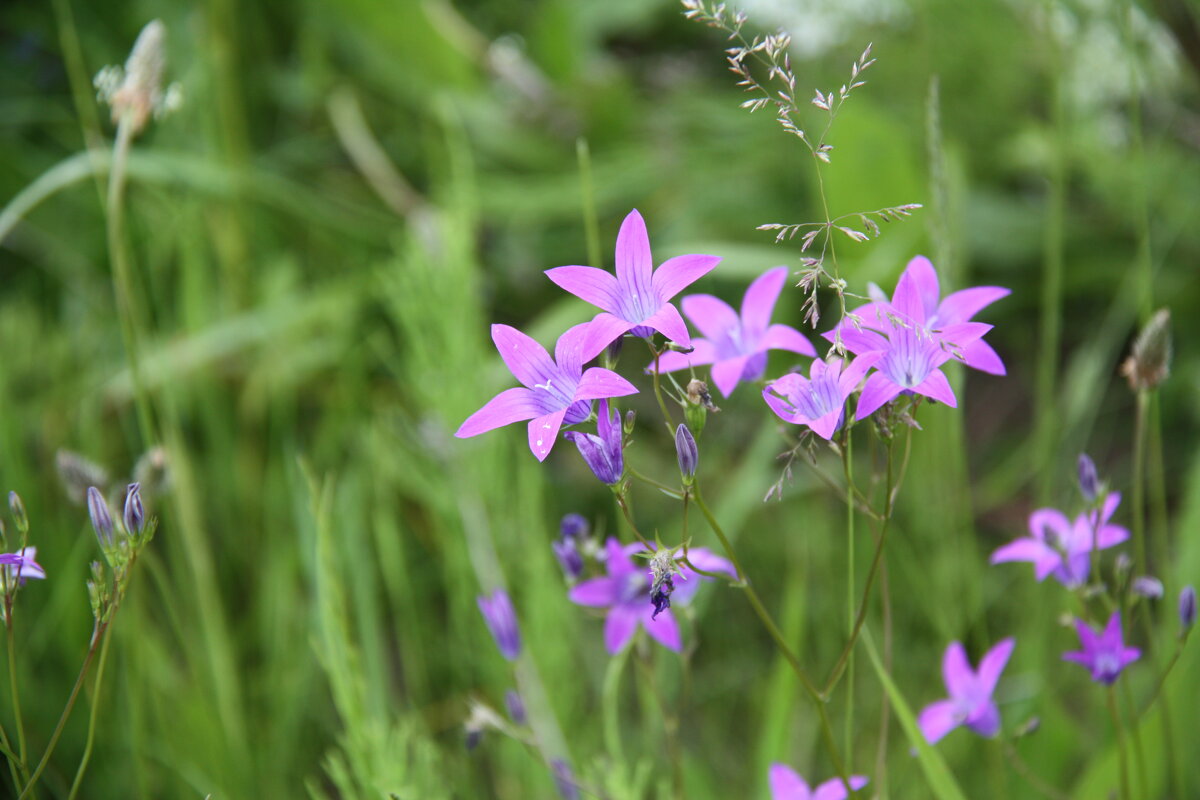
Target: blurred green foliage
[353, 191]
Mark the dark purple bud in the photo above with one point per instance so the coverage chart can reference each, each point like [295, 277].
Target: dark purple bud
[564, 780]
[18, 511]
[660, 596]
[630, 419]
[501, 620]
[472, 738]
[573, 526]
[662, 571]
[1187, 607]
[602, 451]
[1089, 482]
[569, 558]
[1148, 586]
[685, 451]
[102, 520]
[135, 513]
[515, 706]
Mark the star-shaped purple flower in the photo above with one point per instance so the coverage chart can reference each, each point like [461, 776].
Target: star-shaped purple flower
[602, 450]
[818, 401]
[555, 391]
[786, 784]
[970, 702]
[1063, 548]
[736, 345]
[1105, 654]
[933, 314]
[21, 565]
[637, 300]
[625, 592]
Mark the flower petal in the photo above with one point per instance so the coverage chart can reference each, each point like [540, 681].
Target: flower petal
[662, 628]
[712, 316]
[619, 627]
[825, 425]
[834, 789]
[961, 306]
[634, 262]
[907, 300]
[980, 355]
[956, 671]
[985, 719]
[595, 286]
[923, 278]
[727, 373]
[598, 383]
[993, 663]
[676, 274]
[527, 360]
[759, 301]
[877, 391]
[543, 432]
[785, 337]
[936, 386]
[1023, 550]
[856, 341]
[511, 405]
[936, 720]
[668, 322]
[1110, 535]
[605, 328]
[786, 784]
[597, 593]
[853, 374]
[568, 350]
[702, 353]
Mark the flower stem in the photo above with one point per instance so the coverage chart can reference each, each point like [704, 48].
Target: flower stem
[1123, 761]
[847, 467]
[91, 734]
[1139, 480]
[662, 404]
[610, 703]
[12, 682]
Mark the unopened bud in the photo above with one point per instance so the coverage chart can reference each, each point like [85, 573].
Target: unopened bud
[569, 558]
[685, 452]
[135, 513]
[18, 511]
[102, 521]
[573, 526]
[1089, 482]
[1149, 363]
[699, 403]
[515, 706]
[1187, 607]
[1148, 586]
[630, 418]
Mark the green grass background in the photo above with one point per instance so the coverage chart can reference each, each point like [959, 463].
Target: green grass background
[305, 623]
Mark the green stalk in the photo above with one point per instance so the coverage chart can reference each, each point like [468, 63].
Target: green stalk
[12, 682]
[1139, 478]
[847, 455]
[1123, 762]
[591, 225]
[610, 705]
[91, 734]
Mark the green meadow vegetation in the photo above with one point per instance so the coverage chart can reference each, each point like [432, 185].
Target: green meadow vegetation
[271, 306]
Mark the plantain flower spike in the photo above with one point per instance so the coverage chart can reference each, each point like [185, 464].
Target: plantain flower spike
[136, 92]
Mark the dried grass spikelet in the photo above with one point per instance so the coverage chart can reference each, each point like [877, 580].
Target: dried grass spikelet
[1149, 363]
[136, 92]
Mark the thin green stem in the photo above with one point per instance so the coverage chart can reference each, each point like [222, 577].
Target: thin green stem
[1139, 478]
[848, 469]
[591, 225]
[12, 683]
[628, 514]
[611, 704]
[662, 487]
[1123, 760]
[662, 404]
[1139, 753]
[91, 734]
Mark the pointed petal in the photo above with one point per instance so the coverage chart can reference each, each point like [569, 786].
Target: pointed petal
[956, 337]
[877, 391]
[604, 329]
[923, 278]
[864, 341]
[543, 432]
[1110, 506]
[527, 360]
[664, 628]
[786, 784]
[936, 386]
[961, 306]
[672, 361]
[619, 627]
[993, 663]
[759, 301]
[980, 355]
[595, 286]
[705, 559]
[834, 789]
[985, 720]
[568, 350]
[712, 316]
[907, 300]
[936, 720]
[727, 373]
[785, 337]
[1047, 521]
[824, 426]
[676, 274]
[1110, 535]
[1112, 632]
[634, 262]
[1022, 550]
[511, 405]
[598, 383]
[668, 322]
[956, 671]
[849, 379]
[597, 593]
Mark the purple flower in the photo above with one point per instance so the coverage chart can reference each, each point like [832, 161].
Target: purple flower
[636, 300]
[1187, 607]
[569, 558]
[1061, 547]
[602, 450]
[736, 345]
[135, 513]
[21, 565]
[564, 779]
[102, 521]
[786, 784]
[555, 392]
[916, 303]
[818, 401]
[1105, 654]
[686, 453]
[625, 592]
[1089, 481]
[573, 525]
[970, 702]
[501, 620]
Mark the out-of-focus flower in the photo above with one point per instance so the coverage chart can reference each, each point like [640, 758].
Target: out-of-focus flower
[736, 345]
[1148, 586]
[573, 526]
[602, 451]
[102, 521]
[1149, 363]
[970, 702]
[564, 780]
[501, 620]
[1187, 607]
[569, 558]
[1089, 481]
[555, 391]
[515, 706]
[818, 401]
[786, 784]
[137, 91]
[625, 592]
[1062, 548]
[21, 565]
[637, 300]
[1105, 654]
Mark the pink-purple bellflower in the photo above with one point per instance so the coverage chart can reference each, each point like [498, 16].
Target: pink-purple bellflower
[736, 345]
[1062, 548]
[625, 592]
[786, 784]
[970, 702]
[818, 401]
[555, 391]
[602, 451]
[21, 565]
[1105, 654]
[637, 300]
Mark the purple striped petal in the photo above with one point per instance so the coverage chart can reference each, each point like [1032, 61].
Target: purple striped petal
[568, 350]
[907, 300]
[663, 628]
[598, 383]
[727, 373]
[527, 360]
[834, 789]
[595, 286]
[597, 593]
[786, 784]
[511, 405]
[634, 262]
[676, 274]
[993, 663]
[877, 391]
[605, 328]
[956, 670]
[937, 387]
[980, 355]
[619, 627]
[668, 322]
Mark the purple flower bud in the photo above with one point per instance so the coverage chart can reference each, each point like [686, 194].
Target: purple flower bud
[135, 512]
[564, 780]
[515, 706]
[102, 520]
[573, 526]
[501, 620]
[685, 451]
[1148, 586]
[602, 450]
[569, 558]
[630, 419]
[1089, 482]
[1187, 607]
